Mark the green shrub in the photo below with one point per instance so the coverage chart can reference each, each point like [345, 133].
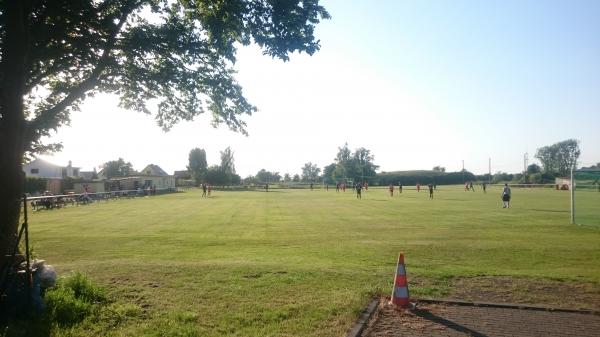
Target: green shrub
[73, 299]
[84, 288]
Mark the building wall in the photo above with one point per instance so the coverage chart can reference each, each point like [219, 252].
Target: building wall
[94, 187]
[42, 169]
[54, 185]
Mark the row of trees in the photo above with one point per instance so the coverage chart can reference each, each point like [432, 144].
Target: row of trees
[348, 165]
[223, 174]
[358, 165]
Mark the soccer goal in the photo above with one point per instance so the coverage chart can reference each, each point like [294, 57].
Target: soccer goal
[585, 197]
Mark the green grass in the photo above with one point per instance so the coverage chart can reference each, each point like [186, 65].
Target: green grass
[296, 262]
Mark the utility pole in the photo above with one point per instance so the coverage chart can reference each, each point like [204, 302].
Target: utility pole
[490, 170]
[525, 162]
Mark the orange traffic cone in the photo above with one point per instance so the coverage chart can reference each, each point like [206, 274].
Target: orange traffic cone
[400, 294]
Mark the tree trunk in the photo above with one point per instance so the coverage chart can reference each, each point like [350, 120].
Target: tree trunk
[12, 121]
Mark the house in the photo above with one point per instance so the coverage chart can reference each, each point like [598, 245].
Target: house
[40, 168]
[151, 176]
[184, 178]
[183, 174]
[153, 170]
[143, 182]
[88, 175]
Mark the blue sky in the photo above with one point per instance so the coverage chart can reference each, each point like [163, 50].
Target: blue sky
[419, 83]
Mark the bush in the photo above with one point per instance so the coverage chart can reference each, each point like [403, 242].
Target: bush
[84, 288]
[73, 299]
[35, 185]
[65, 308]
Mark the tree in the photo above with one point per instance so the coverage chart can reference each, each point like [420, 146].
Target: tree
[310, 172]
[358, 166]
[559, 158]
[296, 178]
[117, 168]
[227, 165]
[265, 176]
[328, 173]
[439, 169]
[364, 166]
[178, 54]
[533, 169]
[197, 164]
[216, 176]
[287, 178]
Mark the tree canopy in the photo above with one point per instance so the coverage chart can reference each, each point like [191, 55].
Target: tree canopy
[264, 176]
[170, 58]
[117, 168]
[357, 166]
[310, 172]
[197, 165]
[559, 158]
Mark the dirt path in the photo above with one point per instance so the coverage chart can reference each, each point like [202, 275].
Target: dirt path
[439, 320]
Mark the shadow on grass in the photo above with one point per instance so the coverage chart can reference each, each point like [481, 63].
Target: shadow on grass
[34, 327]
[547, 210]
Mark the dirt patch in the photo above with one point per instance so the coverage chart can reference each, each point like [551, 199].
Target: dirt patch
[500, 289]
[388, 320]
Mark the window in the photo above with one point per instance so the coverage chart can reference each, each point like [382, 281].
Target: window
[35, 171]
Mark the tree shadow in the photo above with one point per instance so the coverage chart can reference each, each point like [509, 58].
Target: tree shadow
[32, 327]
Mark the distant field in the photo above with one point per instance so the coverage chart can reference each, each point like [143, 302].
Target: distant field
[302, 263]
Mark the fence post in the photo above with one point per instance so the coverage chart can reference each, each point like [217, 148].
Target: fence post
[27, 256]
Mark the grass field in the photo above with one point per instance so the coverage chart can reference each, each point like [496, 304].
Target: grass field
[304, 263]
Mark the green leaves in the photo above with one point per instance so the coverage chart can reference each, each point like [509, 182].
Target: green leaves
[172, 59]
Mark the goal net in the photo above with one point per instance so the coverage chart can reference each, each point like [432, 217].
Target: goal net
[586, 197]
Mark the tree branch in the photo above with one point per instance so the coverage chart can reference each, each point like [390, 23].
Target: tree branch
[79, 91]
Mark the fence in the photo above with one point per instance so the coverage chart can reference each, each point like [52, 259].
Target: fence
[63, 200]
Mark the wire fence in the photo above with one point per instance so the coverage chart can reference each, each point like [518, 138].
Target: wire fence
[76, 199]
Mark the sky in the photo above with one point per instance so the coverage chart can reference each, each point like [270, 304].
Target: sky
[418, 83]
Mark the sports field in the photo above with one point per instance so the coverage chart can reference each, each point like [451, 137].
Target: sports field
[304, 263]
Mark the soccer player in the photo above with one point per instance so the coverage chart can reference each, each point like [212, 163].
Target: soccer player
[506, 196]
[484, 185]
[430, 191]
[203, 190]
[358, 191]
[391, 190]
[418, 187]
[400, 187]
